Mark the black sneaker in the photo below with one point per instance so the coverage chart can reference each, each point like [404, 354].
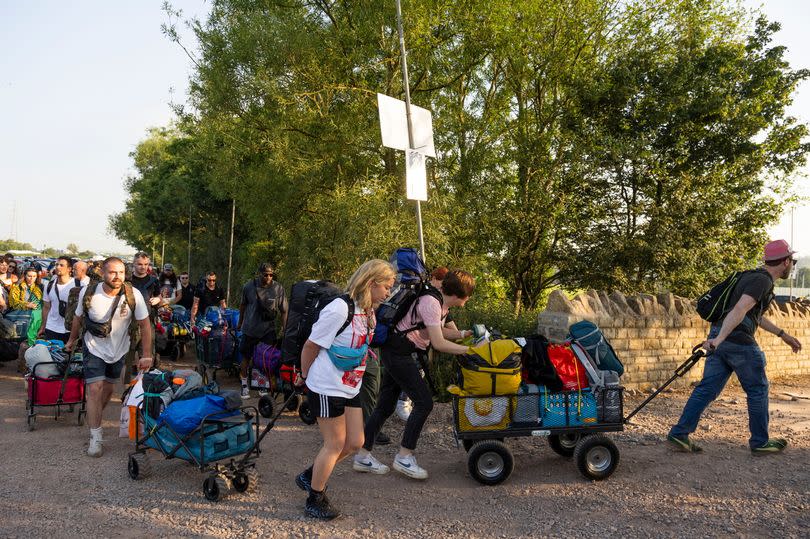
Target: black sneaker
[304, 480]
[318, 506]
[382, 439]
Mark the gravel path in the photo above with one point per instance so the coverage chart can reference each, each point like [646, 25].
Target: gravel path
[51, 488]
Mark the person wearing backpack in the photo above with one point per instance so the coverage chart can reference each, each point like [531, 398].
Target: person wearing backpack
[333, 360]
[108, 312]
[55, 301]
[263, 304]
[404, 351]
[404, 404]
[149, 287]
[731, 348]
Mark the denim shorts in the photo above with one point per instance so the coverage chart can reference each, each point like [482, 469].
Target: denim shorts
[98, 370]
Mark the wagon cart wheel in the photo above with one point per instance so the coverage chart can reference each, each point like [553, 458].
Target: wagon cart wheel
[467, 444]
[564, 444]
[305, 413]
[490, 462]
[294, 403]
[32, 421]
[139, 466]
[246, 480]
[266, 406]
[596, 457]
[176, 353]
[215, 487]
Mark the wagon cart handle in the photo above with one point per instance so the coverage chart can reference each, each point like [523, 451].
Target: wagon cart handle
[697, 353]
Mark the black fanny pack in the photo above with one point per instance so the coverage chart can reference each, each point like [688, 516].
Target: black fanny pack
[101, 329]
[62, 308]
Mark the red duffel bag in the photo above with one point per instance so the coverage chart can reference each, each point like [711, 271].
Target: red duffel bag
[568, 367]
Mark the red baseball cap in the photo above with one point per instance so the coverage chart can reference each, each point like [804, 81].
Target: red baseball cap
[776, 250]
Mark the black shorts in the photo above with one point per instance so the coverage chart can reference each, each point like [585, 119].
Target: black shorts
[325, 406]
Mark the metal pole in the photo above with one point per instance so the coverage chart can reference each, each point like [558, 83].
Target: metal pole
[188, 265]
[230, 254]
[163, 254]
[404, 60]
[791, 243]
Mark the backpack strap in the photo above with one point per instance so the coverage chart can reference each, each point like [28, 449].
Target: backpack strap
[350, 304]
[427, 290]
[130, 297]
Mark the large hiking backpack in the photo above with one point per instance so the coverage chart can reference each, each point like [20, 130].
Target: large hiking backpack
[590, 338]
[411, 283]
[73, 299]
[713, 304]
[491, 368]
[307, 299]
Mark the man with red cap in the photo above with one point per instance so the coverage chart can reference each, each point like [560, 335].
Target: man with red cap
[732, 348]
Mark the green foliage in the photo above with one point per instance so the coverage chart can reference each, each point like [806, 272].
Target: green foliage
[12, 245]
[635, 146]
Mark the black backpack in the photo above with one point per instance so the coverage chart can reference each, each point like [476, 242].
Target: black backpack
[307, 300]
[713, 305]
[538, 366]
[394, 310]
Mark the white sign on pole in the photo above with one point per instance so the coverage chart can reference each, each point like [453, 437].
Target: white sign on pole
[415, 176]
[394, 126]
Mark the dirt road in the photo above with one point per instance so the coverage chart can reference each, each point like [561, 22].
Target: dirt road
[51, 488]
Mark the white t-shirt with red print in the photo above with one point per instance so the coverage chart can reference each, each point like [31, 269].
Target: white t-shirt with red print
[323, 377]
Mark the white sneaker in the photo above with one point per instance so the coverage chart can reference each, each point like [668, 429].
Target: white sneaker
[245, 392]
[404, 408]
[408, 466]
[95, 449]
[263, 392]
[369, 464]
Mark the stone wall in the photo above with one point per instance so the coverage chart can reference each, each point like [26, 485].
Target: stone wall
[652, 335]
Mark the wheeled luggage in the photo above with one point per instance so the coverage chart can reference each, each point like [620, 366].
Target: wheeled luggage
[57, 384]
[220, 440]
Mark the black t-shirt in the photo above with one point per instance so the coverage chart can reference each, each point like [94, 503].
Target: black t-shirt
[148, 286]
[759, 285]
[187, 297]
[208, 298]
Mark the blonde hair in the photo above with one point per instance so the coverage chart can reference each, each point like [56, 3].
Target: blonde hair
[372, 271]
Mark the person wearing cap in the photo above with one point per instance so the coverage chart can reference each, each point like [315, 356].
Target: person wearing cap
[263, 305]
[732, 347]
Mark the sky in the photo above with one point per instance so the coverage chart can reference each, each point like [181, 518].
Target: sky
[81, 83]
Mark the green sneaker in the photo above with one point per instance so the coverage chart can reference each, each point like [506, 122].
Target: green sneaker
[683, 444]
[774, 445]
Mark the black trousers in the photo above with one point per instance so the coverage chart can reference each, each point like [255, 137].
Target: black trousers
[401, 374]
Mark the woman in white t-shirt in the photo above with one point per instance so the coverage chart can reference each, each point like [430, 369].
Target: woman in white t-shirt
[333, 360]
